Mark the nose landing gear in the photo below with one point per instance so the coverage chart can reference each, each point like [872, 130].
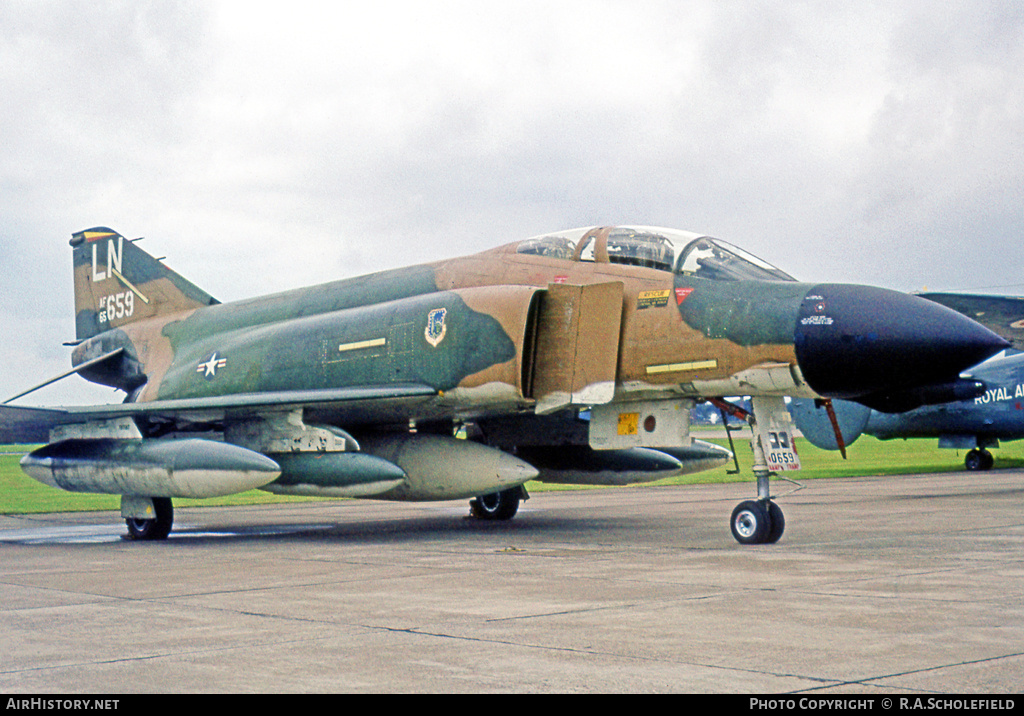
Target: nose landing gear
[757, 522]
[761, 521]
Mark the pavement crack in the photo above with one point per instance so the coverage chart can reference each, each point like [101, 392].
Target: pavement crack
[868, 681]
[824, 681]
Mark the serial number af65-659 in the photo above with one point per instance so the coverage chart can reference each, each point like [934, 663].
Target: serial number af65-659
[115, 306]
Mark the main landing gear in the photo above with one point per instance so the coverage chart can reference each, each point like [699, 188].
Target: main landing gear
[979, 459]
[498, 505]
[155, 527]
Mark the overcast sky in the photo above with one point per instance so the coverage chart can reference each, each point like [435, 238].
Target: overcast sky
[265, 146]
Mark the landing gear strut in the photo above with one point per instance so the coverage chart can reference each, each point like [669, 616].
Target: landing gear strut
[758, 521]
[761, 521]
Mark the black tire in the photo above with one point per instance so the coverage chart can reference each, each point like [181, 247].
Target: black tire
[987, 461]
[974, 461]
[750, 522]
[497, 506]
[776, 522]
[155, 529]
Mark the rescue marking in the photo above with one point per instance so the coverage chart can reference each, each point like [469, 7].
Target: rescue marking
[652, 299]
[362, 344]
[436, 328]
[677, 367]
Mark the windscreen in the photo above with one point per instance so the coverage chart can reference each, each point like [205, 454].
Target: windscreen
[719, 261]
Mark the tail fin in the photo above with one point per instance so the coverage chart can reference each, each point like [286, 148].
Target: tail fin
[117, 283]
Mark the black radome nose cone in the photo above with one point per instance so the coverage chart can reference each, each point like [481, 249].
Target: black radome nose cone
[854, 341]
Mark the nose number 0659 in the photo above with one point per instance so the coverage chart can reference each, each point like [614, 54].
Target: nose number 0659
[781, 455]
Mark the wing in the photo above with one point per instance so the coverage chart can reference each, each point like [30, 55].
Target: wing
[1001, 314]
[28, 425]
[355, 405]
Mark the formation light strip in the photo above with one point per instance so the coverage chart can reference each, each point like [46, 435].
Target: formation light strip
[362, 344]
[678, 367]
[129, 284]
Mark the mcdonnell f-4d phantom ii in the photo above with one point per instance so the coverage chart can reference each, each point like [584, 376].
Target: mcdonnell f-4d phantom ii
[569, 357]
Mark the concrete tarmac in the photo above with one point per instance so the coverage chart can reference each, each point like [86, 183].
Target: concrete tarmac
[881, 585]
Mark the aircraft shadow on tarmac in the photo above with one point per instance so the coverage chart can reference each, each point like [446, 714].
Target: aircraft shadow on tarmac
[415, 529]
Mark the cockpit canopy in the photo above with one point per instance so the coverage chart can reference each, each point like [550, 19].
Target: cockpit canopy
[680, 252]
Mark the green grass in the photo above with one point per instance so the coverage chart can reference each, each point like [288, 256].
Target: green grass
[867, 456]
[20, 494]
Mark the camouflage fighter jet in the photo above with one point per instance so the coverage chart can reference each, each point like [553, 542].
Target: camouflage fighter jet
[569, 357]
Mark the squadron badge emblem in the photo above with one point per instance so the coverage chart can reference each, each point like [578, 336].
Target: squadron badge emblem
[436, 327]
